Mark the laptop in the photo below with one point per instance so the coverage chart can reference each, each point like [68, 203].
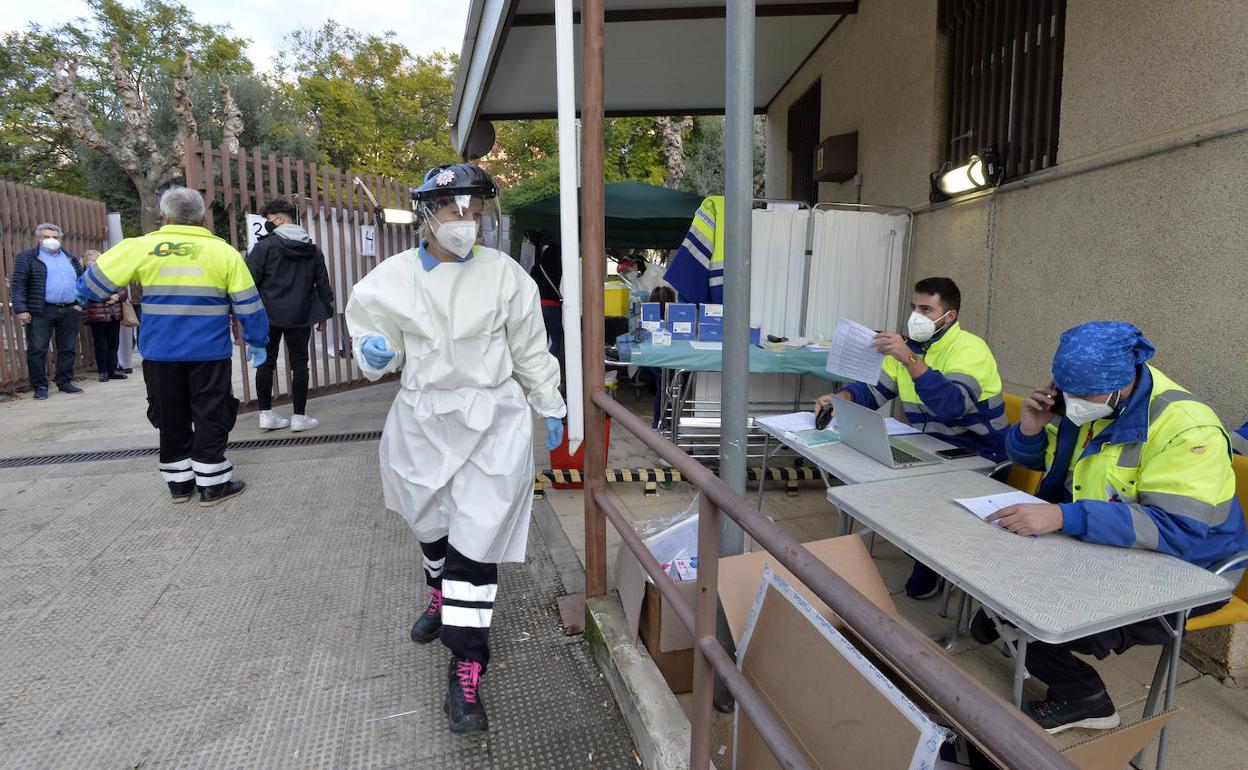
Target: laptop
[863, 429]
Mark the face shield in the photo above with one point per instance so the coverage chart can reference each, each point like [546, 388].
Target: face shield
[456, 223]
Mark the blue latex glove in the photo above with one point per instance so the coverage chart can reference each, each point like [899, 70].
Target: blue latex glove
[375, 352]
[554, 433]
[257, 356]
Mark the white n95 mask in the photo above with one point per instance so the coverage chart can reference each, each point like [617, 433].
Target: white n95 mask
[1080, 411]
[920, 328]
[457, 237]
[51, 245]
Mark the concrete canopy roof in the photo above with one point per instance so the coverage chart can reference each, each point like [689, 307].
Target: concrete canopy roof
[662, 56]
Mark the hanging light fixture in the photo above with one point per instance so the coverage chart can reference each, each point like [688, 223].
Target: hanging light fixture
[981, 171]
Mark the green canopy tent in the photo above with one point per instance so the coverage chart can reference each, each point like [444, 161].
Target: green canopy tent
[639, 216]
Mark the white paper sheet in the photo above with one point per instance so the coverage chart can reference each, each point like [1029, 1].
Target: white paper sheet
[852, 356]
[702, 345]
[983, 507]
[789, 423]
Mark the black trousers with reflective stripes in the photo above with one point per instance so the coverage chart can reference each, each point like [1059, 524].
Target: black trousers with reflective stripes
[468, 591]
[1072, 678]
[192, 404]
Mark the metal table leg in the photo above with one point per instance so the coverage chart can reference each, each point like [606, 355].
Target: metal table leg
[762, 474]
[1020, 669]
[1165, 683]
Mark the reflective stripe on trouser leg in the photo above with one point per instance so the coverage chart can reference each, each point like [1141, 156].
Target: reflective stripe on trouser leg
[433, 558]
[177, 471]
[468, 591]
[211, 474]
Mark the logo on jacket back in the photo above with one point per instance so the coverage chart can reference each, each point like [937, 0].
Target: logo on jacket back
[173, 249]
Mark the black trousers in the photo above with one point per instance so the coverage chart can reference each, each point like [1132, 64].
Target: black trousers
[192, 404]
[59, 322]
[104, 337]
[1072, 678]
[468, 589]
[297, 346]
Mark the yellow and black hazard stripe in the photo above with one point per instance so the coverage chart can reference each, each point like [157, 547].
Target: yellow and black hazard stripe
[652, 477]
[790, 477]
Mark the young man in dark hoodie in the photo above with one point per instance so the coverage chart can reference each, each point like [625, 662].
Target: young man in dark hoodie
[290, 273]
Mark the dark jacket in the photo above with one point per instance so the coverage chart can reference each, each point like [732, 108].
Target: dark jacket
[102, 312]
[290, 273]
[30, 281]
[548, 272]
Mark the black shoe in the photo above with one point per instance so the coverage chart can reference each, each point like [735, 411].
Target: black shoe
[1095, 712]
[69, 388]
[924, 583]
[127, 370]
[463, 704]
[219, 492]
[41, 393]
[982, 629]
[116, 376]
[103, 378]
[181, 491]
[429, 625]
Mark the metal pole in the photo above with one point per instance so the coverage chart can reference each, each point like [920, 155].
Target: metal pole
[739, 195]
[569, 181]
[593, 251]
[739, 200]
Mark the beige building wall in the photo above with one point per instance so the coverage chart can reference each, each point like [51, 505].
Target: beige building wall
[1161, 241]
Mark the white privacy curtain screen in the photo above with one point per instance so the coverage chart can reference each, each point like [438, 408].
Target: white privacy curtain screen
[778, 271]
[856, 269]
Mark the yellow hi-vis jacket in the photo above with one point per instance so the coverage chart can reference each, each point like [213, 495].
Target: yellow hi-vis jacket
[1158, 476]
[957, 399]
[697, 269]
[192, 283]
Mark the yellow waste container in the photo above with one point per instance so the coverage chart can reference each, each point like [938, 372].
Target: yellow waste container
[615, 302]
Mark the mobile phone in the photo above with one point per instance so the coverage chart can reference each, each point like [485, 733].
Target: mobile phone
[956, 452]
[1058, 406]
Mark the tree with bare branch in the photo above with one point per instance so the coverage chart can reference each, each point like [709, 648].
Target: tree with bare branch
[134, 148]
[674, 147]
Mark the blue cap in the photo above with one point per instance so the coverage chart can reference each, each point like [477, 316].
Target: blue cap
[1099, 357]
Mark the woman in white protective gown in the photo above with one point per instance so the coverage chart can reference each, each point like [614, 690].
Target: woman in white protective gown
[463, 322]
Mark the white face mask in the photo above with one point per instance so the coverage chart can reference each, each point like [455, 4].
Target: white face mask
[457, 237]
[51, 245]
[1080, 411]
[920, 328]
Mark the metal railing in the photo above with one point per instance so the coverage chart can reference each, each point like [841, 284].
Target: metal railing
[997, 728]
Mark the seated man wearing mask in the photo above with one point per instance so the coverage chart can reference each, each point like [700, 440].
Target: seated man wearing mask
[948, 383]
[1133, 460]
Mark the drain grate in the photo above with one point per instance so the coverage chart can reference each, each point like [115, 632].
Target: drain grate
[129, 454]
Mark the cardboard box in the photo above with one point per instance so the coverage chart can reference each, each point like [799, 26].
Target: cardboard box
[756, 335]
[844, 709]
[651, 311]
[683, 320]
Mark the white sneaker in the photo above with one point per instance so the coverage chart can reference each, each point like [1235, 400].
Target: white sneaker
[271, 420]
[300, 422]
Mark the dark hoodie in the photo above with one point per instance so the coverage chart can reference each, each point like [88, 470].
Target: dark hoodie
[290, 273]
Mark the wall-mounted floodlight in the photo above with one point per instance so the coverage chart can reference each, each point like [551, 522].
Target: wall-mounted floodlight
[384, 215]
[395, 216]
[982, 170]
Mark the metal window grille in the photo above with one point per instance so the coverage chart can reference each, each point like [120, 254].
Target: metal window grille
[1005, 80]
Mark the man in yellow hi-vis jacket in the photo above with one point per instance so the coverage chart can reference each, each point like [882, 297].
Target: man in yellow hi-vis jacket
[192, 283]
[1133, 460]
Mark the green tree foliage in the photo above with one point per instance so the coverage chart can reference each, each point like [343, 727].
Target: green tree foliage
[371, 104]
[704, 157]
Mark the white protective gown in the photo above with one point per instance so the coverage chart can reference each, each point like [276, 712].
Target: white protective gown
[457, 449]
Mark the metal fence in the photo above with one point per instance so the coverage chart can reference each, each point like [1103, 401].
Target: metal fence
[22, 208]
[335, 212]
